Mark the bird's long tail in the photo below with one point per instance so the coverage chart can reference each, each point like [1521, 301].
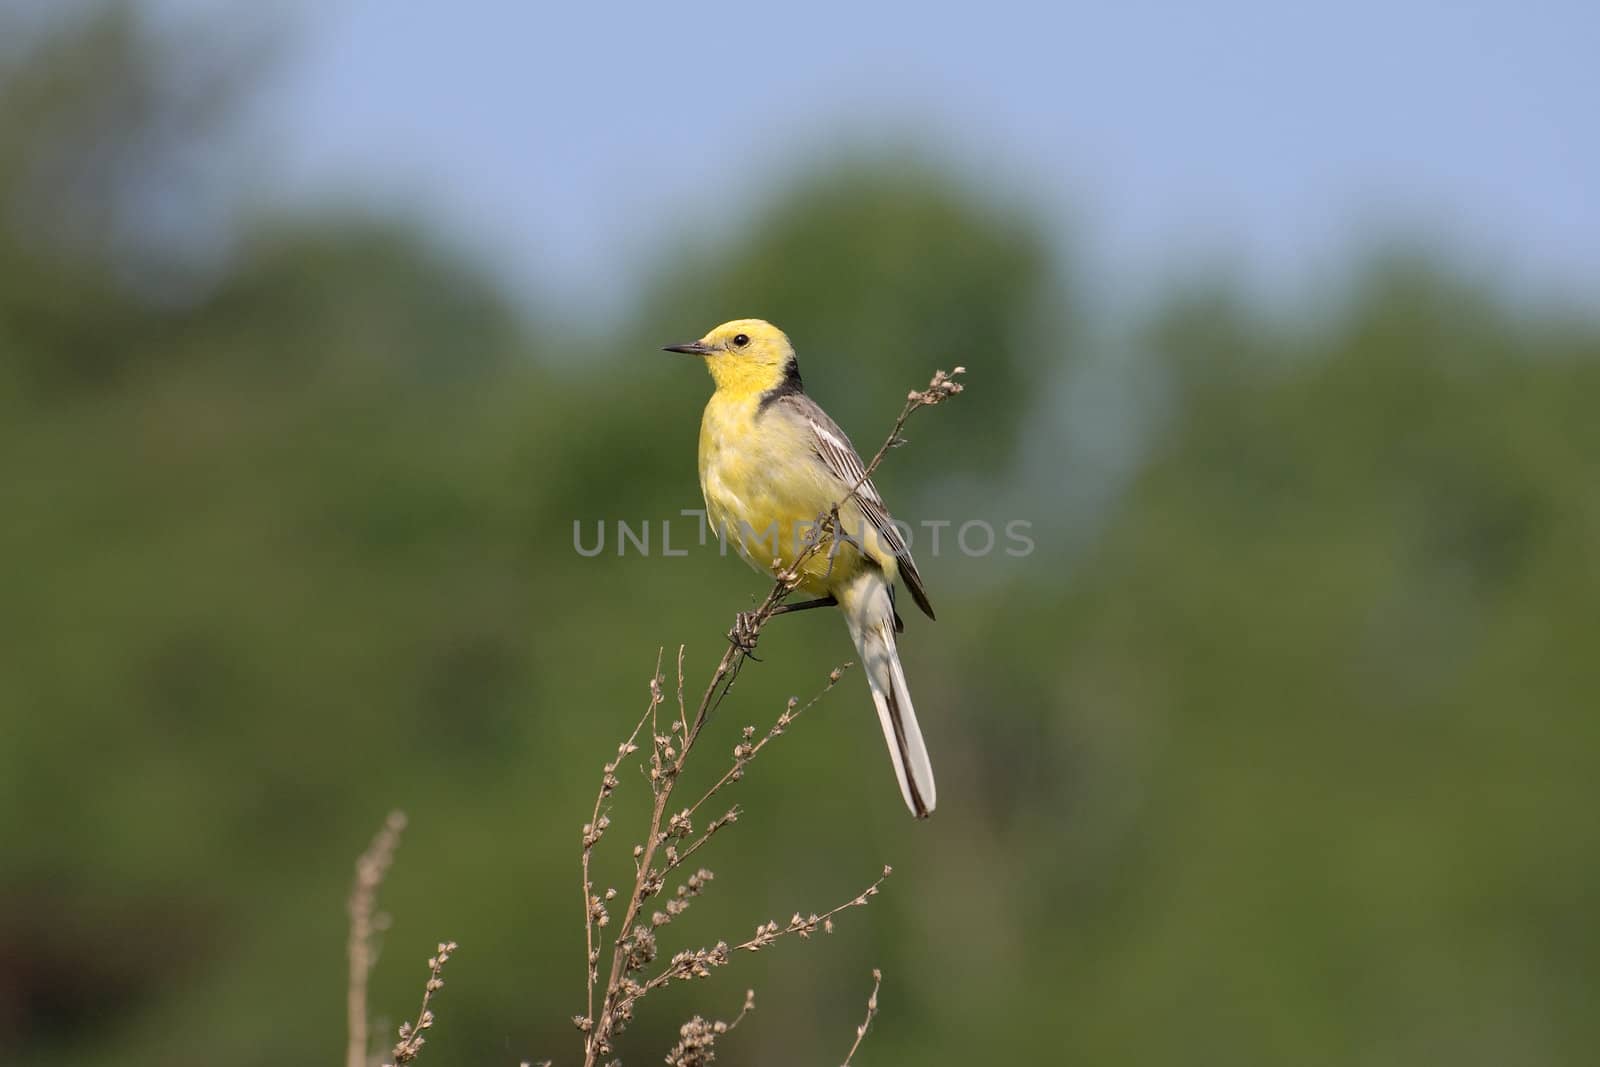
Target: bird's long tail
[869, 612]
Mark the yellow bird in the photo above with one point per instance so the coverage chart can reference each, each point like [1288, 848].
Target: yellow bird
[771, 463]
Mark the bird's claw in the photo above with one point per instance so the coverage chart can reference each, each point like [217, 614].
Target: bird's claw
[744, 633]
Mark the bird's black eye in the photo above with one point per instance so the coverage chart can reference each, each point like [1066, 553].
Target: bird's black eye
[740, 340]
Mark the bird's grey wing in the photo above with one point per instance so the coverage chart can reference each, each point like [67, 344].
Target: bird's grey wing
[836, 452]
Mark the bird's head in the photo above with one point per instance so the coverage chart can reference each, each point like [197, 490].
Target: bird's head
[746, 355]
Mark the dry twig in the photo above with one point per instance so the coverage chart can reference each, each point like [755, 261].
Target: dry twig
[701, 961]
[365, 923]
[411, 1039]
[594, 908]
[697, 1037]
[872, 1010]
[634, 945]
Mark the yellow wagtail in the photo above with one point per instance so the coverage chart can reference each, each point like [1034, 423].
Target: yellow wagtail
[771, 464]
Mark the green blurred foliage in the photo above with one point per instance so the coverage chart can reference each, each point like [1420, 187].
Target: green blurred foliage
[1292, 763]
[881, 269]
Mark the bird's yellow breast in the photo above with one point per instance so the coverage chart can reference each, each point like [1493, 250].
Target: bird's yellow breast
[764, 491]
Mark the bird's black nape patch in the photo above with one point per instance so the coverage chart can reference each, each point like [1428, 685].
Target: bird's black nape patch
[790, 386]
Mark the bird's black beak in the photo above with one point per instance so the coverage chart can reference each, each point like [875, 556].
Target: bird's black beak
[693, 348]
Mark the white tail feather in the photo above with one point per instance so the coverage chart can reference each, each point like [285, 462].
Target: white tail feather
[870, 615]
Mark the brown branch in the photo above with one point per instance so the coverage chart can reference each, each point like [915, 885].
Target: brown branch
[872, 1010]
[941, 388]
[411, 1039]
[594, 909]
[805, 926]
[699, 963]
[365, 922]
[633, 949]
[697, 1037]
[744, 751]
[634, 946]
[683, 717]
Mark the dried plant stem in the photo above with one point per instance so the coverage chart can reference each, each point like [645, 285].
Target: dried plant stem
[872, 1010]
[941, 388]
[631, 947]
[745, 752]
[805, 926]
[683, 717]
[594, 913]
[667, 765]
[698, 963]
[643, 888]
[697, 1037]
[411, 1039]
[360, 949]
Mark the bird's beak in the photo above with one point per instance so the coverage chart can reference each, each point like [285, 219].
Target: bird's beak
[693, 348]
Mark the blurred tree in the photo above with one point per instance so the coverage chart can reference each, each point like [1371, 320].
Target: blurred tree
[881, 269]
[1295, 765]
[1324, 716]
[109, 142]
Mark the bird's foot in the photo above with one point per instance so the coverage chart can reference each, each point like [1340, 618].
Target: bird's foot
[746, 629]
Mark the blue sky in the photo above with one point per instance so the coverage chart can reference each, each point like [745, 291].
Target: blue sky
[570, 141]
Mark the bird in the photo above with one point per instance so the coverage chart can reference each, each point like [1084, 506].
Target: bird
[772, 463]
